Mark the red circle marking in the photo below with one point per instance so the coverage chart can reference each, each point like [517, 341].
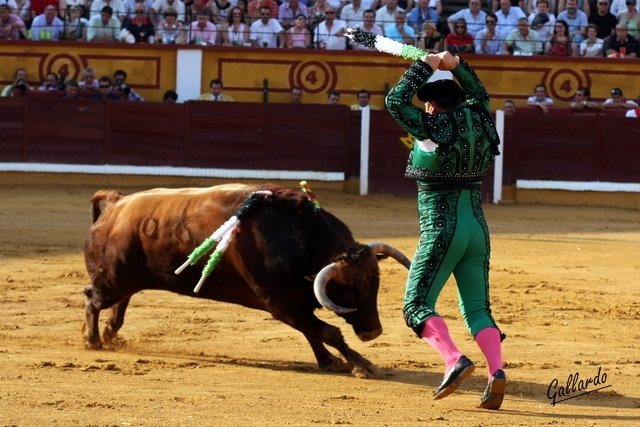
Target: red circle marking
[556, 75]
[300, 80]
[74, 64]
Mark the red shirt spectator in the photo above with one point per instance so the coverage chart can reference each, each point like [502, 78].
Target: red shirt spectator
[37, 6]
[257, 4]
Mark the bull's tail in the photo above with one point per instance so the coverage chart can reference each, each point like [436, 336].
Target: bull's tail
[108, 196]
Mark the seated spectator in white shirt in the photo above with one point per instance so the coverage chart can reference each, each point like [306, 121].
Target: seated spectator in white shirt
[490, 40]
[617, 101]
[508, 16]
[104, 27]
[541, 99]
[47, 26]
[473, 16]
[368, 25]
[329, 33]
[266, 32]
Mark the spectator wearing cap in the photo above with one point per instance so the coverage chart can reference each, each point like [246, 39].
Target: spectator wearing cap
[618, 101]
[622, 45]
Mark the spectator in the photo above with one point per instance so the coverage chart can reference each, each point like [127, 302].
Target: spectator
[576, 19]
[10, 24]
[407, 5]
[130, 7]
[635, 112]
[157, 9]
[89, 81]
[267, 32]
[352, 13]
[117, 9]
[333, 98]
[582, 5]
[140, 27]
[363, 101]
[509, 107]
[120, 78]
[617, 101]
[50, 82]
[243, 5]
[298, 36]
[631, 18]
[618, 7]
[202, 31]
[368, 24]
[401, 32]
[490, 40]
[329, 33]
[21, 9]
[508, 17]
[71, 90]
[289, 11]
[236, 32]
[419, 15]
[38, 7]
[473, 17]
[75, 27]
[592, 45]
[430, 39]
[496, 5]
[622, 45]
[603, 20]
[560, 43]
[215, 93]
[104, 27]
[582, 100]
[317, 13]
[47, 26]
[542, 22]
[105, 88]
[19, 82]
[170, 96]
[197, 6]
[254, 9]
[296, 95]
[522, 41]
[459, 41]
[541, 99]
[171, 31]
[386, 15]
[220, 10]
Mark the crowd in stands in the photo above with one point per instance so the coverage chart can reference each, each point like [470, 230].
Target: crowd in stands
[582, 102]
[505, 27]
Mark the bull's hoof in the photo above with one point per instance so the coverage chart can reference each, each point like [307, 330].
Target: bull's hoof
[368, 371]
[335, 364]
[109, 336]
[90, 343]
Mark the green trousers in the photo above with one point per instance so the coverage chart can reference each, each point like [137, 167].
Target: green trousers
[454, 239]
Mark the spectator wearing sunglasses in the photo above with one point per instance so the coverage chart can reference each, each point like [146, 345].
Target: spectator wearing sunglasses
[254, 9]
[130, 7]
[266, 32]
[473, 16]
[140, 27]
[157, 9]
[460, 41]
[329, 33]
[171, 30]
[604, 20]
[490, 40]
[105, 89]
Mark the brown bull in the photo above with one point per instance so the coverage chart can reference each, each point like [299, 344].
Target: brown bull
[139, 241]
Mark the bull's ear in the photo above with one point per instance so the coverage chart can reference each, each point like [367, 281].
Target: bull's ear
[381, 256]
[311, 278]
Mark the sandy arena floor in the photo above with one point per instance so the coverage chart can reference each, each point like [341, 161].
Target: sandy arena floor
[565, 289]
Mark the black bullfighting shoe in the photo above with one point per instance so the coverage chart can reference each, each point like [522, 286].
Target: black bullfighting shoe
[494, 393]
[462, 370]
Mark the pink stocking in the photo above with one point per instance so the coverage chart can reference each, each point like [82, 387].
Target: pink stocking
[488, 339]
[436, 333]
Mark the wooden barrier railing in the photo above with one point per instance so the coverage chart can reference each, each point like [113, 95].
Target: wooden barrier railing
[560, 146]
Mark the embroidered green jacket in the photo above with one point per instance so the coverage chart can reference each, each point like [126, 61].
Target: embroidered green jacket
[455, 146]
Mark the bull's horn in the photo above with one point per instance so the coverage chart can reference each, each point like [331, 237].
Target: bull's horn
[383, 248]
[320, 289]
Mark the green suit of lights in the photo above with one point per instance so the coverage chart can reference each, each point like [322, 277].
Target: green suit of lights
[452, 149]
